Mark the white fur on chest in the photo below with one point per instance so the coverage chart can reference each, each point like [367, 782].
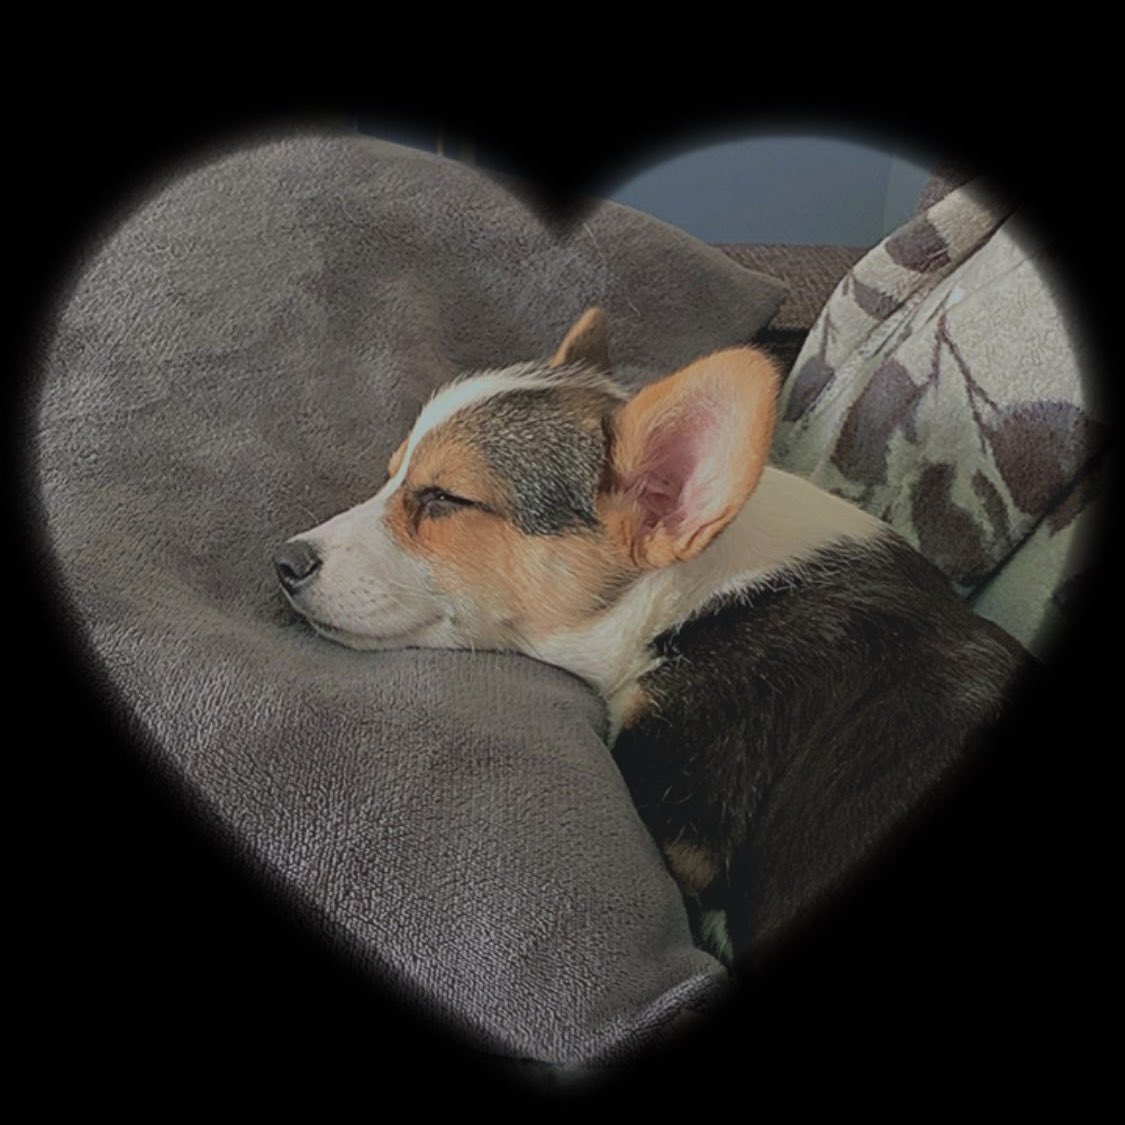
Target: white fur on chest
[786, 521]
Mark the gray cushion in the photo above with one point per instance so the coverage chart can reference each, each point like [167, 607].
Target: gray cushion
[235, 363]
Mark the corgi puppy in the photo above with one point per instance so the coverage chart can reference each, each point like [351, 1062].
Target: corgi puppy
[785, 676]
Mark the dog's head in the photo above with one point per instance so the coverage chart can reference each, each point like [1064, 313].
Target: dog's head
[525, 501]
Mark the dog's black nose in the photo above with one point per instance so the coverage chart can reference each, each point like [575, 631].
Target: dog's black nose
[295, 562]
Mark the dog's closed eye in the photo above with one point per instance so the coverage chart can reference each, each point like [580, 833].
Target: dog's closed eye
[433, 503]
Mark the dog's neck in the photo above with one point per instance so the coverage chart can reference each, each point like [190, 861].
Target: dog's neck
[785, 521]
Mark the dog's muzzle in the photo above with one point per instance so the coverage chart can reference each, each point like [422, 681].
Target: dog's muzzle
[296, 562]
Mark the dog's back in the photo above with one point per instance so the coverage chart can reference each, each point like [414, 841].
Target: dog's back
[754, 637]
[856, 679]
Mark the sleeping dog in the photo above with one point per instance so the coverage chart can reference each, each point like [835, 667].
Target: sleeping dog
[752, 636]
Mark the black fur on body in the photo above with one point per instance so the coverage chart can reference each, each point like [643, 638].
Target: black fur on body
[796, 727]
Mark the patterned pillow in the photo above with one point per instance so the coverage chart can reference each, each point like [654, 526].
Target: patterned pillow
[940, 388]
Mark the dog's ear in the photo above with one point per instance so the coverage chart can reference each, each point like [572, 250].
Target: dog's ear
[585, 342]
[686, 453]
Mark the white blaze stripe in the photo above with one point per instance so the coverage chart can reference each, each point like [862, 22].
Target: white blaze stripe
[453, 397]
[447, 400]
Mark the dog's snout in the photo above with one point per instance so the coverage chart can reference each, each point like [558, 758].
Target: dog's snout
[296, 562]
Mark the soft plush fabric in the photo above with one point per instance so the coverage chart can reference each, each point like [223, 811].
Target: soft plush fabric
[941, 388]
[233, 364]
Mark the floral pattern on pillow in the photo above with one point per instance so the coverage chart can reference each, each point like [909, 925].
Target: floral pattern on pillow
[942, 388]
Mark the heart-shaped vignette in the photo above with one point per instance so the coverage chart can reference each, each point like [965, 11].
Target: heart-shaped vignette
[114, 327]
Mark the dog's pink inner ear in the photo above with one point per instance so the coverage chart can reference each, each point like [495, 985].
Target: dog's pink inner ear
[689, 450]
[673, 477]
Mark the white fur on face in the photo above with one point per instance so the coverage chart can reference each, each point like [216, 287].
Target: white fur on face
[369, 593]
[373, 593]
[453, 397]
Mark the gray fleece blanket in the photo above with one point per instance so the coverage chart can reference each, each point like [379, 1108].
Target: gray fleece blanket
[234, 362]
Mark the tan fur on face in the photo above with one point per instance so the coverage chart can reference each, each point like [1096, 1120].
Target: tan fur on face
[527, 586]
[537, 585]
[511, 588]
[442, 459]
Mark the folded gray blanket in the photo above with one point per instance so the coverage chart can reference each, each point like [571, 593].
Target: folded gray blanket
[234, 363]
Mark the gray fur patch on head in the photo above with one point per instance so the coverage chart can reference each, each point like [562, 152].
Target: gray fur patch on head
[549, 445]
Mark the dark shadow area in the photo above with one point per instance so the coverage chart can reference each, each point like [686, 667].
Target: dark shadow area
[971, 958]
